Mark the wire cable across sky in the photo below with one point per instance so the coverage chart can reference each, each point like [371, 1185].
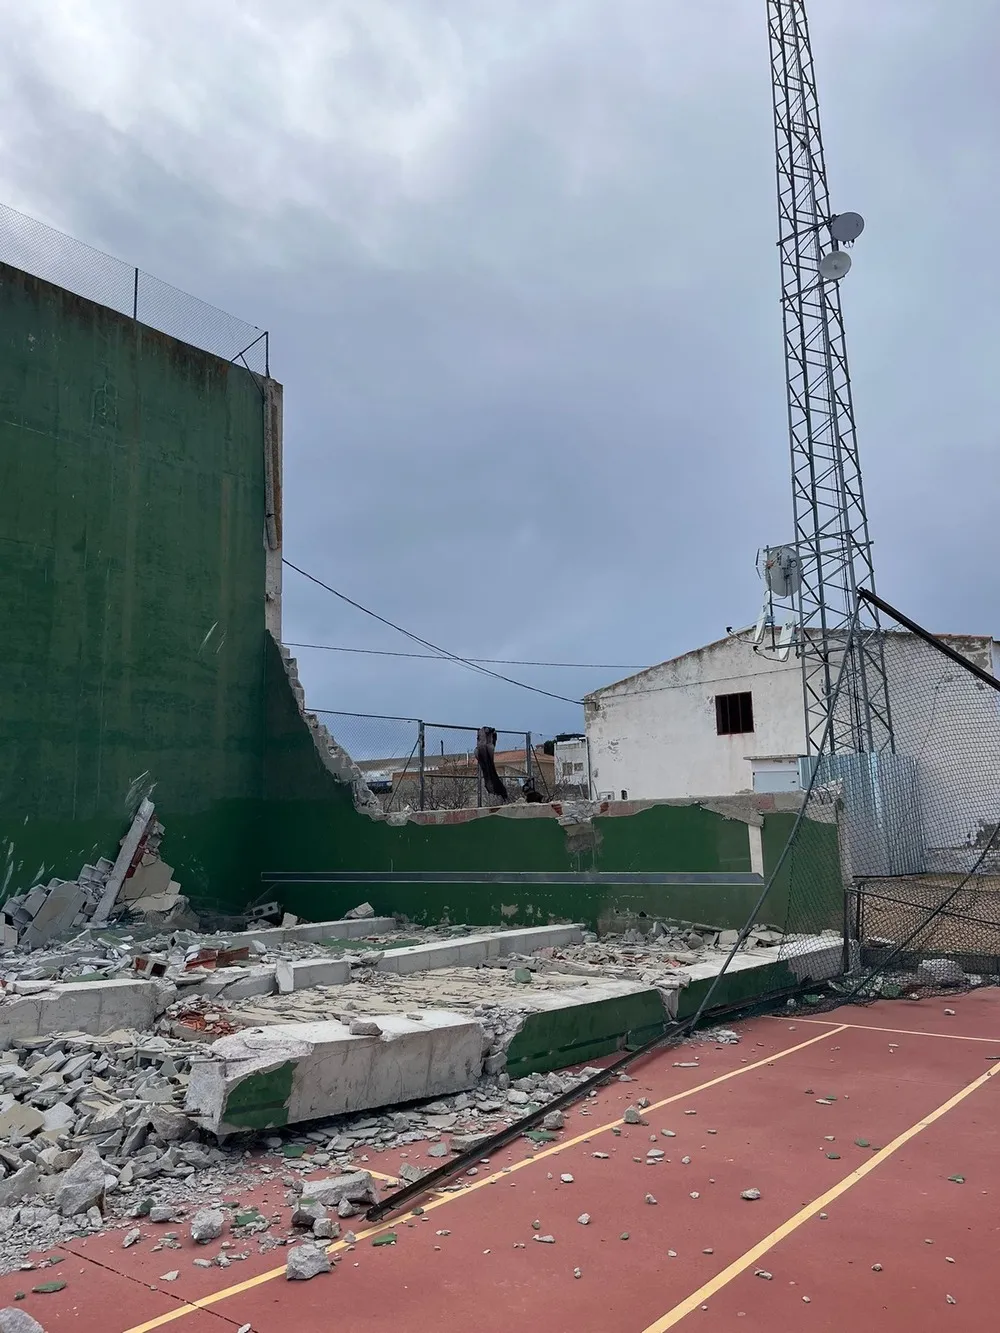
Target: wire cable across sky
[492, 661]
[425, 643]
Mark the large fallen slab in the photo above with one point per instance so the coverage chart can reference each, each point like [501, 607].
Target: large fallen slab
[95, 1007]
[473, 950]
[264, 1078]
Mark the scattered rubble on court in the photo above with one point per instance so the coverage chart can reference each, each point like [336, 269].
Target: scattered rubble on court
[104, 1031]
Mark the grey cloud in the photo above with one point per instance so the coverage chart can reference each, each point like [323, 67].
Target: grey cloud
[518, 267]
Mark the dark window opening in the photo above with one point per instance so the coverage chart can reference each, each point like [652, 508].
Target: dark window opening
[734, 713]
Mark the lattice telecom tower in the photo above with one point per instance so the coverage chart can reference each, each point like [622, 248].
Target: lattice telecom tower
[818, 575]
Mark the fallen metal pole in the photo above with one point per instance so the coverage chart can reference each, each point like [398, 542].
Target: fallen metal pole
[674, 1034]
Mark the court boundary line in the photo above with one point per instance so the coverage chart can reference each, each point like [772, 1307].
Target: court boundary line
[237, 1289]
[749, 1257]
[899, 1032]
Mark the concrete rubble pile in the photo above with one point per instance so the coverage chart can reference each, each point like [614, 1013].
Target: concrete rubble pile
[138, 883]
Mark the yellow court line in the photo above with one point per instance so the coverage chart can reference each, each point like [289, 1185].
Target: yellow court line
[740, 1265]
[226, 1292]
[899, 1032]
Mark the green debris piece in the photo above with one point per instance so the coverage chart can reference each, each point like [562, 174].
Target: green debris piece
[293, 1150]
[891, 991]
[144, 1208]
[387, 1238]
[957, 1180]
[418, 1212]
[834, 1156]
[540, 1135]
[813, 999]
[624, 1235]
[46, 1288]
[19, 1295]
[522, 975]
[862, 1143]
[248, 1219]
[616, 1131]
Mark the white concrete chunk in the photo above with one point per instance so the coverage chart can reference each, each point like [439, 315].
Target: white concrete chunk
[313, 932]
[267, 1077]
[95, 1007]
[311, 972]
[472, 950]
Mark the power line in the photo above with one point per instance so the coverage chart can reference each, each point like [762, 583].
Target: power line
[425, 643]
[493, 661]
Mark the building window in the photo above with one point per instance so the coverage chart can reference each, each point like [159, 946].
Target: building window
[734, 713]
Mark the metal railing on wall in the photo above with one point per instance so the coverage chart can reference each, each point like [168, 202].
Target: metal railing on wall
[34, 247]
[408, 762]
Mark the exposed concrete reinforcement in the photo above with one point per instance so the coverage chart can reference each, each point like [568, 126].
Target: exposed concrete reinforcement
[472, 950]
[95, 1007]
[264, 1078]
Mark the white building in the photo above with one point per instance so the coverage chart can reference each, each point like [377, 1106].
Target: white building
[572, 766]
[725, 719]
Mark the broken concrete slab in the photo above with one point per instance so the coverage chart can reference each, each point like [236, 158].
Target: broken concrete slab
[472, 950]
[96, 1007]
[314, 932]
[264, 1078]
[311, 972]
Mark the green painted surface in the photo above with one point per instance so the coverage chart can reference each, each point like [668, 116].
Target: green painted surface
[599, 906]
[312, 825]
[555, 1038]
[807, 895]
[260, 1101]
[131, 590]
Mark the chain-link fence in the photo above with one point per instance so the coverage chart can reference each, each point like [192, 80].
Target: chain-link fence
[30, 245]
[890, 883]
[432, 766]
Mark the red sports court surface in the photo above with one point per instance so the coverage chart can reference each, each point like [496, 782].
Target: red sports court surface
[870, 1133]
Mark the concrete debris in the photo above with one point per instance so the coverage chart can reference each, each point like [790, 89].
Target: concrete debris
[305, 1262]
[13, 1320]
[940, 972]
[81, 1187]
[140, 887]
[207, 1225]
[360, 913]
[750, 1194]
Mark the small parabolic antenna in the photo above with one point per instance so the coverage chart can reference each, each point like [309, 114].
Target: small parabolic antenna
[782, 572]
[846, 227]
[835, 265]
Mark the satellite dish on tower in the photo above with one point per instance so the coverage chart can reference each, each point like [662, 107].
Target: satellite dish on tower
[782, 572]
[835, 265]
[846, 227]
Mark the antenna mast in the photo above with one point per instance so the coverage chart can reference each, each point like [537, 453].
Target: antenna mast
[832, 541]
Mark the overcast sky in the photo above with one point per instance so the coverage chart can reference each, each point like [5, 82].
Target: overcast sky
[517, 262]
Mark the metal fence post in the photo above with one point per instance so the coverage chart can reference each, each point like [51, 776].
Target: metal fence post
[527, 755]
[422, 750]
[135, 295]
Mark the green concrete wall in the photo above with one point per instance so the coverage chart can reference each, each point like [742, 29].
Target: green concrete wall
[131, 593]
